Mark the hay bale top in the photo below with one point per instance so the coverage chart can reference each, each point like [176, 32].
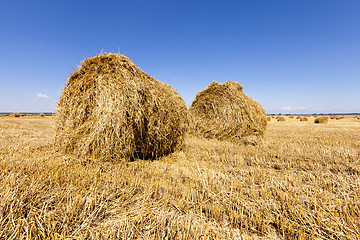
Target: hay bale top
[224, 112]
[110, 108]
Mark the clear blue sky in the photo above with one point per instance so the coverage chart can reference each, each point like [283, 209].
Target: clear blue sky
[298, 56]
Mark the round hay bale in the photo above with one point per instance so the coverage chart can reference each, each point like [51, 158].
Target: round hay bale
[15, 115]
[268, 119]
[321, 120]
[291, 116]
[298, 117]
[304, 119]
[41, 115]
[224, 112]
[281, 119]
[110, 108]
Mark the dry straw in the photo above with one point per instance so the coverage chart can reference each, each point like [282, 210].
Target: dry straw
[304, 119]
[110, 108]
[41, 115]
[321, 120]
[224, 112]
[268, 119]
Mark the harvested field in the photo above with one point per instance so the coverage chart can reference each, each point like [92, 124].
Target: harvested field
[302, 181]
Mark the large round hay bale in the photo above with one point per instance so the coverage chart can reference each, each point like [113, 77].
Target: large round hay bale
[110, 108]
[224, 112]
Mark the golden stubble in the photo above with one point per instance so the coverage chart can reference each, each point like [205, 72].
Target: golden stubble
[300, 182]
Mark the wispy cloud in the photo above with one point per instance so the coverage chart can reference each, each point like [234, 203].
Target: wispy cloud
[287, 108]
[42, 95]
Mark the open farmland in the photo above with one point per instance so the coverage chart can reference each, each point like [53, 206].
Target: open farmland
[301, 182]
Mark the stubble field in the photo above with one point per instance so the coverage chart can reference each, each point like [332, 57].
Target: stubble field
[301, 182]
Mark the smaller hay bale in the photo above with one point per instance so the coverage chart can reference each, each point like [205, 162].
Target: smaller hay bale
[41, 115]
[298, 117]
[281, 119]
[291, 116]
[304, 119]
[268, 119]
[321, 120]
[14, 115]
[224, 112]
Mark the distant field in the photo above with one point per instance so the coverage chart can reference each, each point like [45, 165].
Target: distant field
[301, 182]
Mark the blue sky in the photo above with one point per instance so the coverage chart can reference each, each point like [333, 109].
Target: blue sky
[299, 56]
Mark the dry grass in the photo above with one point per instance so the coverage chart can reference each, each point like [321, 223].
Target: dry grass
[301, 182]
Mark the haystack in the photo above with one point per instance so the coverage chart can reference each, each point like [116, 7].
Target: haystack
[281, 119]
[268, 119]
[304, 119]
[224, 112]
[321, 120]
[15, 115]
[110, 108]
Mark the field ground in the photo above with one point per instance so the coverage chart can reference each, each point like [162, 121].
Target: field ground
[301, 182]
